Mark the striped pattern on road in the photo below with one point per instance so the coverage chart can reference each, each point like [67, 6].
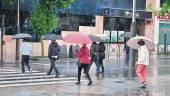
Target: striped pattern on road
[10, 77]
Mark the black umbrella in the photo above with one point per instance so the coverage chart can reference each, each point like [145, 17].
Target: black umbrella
[21, 36]
[95, 38]
[52, 37]
[127, 34]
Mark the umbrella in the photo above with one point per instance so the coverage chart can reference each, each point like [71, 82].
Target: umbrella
[94, 38]
[133, 42]
[77, 38]
[127, 34]
[52, 37]
[21, 36]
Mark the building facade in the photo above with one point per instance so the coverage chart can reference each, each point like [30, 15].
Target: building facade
[161, 30]
[95, 17]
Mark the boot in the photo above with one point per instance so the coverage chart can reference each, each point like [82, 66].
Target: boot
[90, 82]
[102, 69]
[77, 83]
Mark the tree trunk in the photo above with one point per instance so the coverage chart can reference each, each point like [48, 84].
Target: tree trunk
[42, 46]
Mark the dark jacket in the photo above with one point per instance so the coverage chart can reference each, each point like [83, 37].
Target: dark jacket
[53, 50]
[94, 51]
[102, 50]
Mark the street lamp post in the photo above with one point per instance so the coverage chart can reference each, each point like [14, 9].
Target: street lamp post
[131, 52]
[2, 29]
[18, 31]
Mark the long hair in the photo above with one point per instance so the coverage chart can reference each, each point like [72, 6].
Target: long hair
[141, 42]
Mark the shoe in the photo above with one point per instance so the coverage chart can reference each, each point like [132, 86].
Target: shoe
[102, 72]
[90, 82]
[60, 76]
[143, 85]
[77, 83]
[57, 76]
[30, 70]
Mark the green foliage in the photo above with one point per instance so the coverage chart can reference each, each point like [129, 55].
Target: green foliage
[44, 19]
[43, 22]
[165, 7]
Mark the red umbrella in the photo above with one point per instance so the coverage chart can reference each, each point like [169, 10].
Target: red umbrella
[77, 38]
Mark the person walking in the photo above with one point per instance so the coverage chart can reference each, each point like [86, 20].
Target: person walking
[126, 61]
[25, 50]
[102, 50]
[84, 59]
[143, 60]
[127, 54]
[53, 55]
[94, 54]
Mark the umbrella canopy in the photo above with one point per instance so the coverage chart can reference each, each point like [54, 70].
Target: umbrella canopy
[94, 38]
[77, 38]
[133, 42]
[21, 36]
[52, 37]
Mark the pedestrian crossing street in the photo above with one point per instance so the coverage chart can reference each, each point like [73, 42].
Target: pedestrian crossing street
[10, 77]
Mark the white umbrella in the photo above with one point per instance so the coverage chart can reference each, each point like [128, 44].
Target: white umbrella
[133, 42]
[21, 36]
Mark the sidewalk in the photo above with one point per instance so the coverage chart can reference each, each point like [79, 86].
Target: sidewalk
[109, 85]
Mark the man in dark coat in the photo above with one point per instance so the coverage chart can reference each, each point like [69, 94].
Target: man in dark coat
[53, 55]
[94, 54]
[102, 50]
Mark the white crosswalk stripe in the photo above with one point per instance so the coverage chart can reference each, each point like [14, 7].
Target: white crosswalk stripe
[10, 77]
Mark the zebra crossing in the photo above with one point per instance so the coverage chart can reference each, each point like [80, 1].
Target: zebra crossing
[10, 77]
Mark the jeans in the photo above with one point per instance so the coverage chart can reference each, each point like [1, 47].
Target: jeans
[97, 65]
[101, 64]
[127, 57]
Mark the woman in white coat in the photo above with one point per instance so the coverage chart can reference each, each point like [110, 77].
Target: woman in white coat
[143, 60]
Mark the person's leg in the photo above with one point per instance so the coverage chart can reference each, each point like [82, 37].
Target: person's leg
[27, 62]
[127, 59]
[91, 62]
[56, 70]
[144, 72]
[139, 72]
[97, 67]
[79, 73]
[101, 64]
[51, 67]
[85, 67]
[22, 64]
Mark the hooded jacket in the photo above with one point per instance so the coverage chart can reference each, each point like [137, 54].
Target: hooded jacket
[53, 49]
